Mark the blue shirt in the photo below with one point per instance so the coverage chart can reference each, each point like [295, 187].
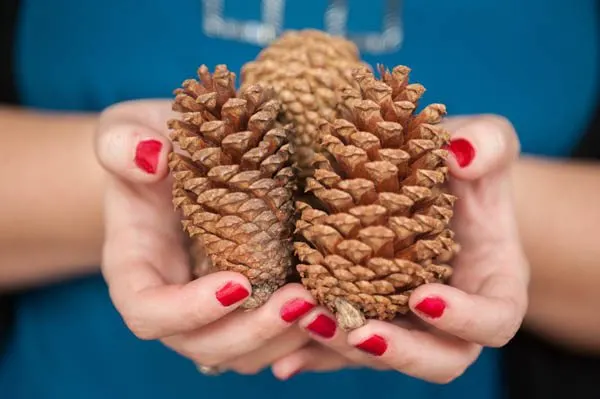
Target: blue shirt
[533, 61]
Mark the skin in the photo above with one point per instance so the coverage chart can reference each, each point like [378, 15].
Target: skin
[561, 209]
[158, 300]
[51, 197]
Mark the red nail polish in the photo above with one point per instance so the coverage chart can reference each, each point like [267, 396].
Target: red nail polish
[376, 345]
[146, 155]
[294, 309]
[433, 307]
[463, 151]
[323, 326]
[231, 293]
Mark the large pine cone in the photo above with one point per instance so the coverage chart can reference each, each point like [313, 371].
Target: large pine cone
[306, 69]
[232, 179]
[377, 223]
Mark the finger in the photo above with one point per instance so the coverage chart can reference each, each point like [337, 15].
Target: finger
[141, 221]
[490, 318]
[152, 308]
[482, 151]
[131, 141]
[480, 146]
[420, 354]
[323, 328]
[132, 151]
[282, 345]
[244, 332]
[310, 358]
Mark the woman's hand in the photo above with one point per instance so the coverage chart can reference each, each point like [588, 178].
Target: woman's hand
[487, 296]
[147, 268]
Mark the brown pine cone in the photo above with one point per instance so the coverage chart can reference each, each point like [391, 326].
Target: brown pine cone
[233, 182]
[306, 69]
[377, 224]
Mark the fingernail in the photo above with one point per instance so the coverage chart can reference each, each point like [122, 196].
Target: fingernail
[146, 155]
[294, 309]
[323, 326]
[376, 345]
[231, 293]
[433, 307]
[463, 151]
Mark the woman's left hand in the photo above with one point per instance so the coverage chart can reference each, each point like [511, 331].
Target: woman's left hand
[486, 300]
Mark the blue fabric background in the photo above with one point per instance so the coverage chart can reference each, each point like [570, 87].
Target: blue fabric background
[533, 61]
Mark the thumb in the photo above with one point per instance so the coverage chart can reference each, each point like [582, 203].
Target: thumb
[482, 150]
[480, 146]
[131, 141]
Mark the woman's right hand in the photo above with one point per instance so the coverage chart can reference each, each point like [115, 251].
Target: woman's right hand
[147, 268]
[486, 299]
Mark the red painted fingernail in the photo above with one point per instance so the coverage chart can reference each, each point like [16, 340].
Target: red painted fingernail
[146, 155]
[463, 151]
[433, 307]
[294, 309]
[323, 326]
[231, 293]
[376, 345]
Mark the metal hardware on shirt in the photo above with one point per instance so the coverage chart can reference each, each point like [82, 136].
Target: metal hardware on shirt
[272, 23]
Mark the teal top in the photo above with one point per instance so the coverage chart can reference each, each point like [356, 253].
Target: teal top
[533, 61]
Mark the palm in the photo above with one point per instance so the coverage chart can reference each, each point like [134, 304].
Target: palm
[486, 231]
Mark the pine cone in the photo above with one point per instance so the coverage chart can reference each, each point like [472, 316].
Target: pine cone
[306, 69]
[376, 226]
[232, 180]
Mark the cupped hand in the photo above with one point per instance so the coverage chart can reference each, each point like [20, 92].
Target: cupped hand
[486, 300]
[146, 265]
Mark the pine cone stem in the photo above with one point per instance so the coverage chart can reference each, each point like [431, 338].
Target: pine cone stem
[260, 294]
[348, 316]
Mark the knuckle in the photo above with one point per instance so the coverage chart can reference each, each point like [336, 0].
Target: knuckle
[450, 376]
[455, 373]
[264, 332]
[495, 123]
[198, 352]
[138, 325]
[140, 329]
[505, 334]
[472, 354]
[464, 326]
[405, 361]
[509, 325]
[500, 339]
[468, 358]
[198, 356]
[266, 329]
[500, 130]
[197, 314]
